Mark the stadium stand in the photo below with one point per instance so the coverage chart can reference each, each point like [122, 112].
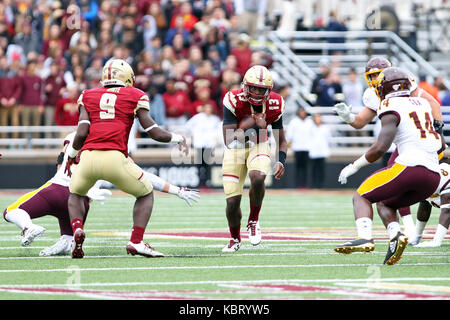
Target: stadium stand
[205, 43]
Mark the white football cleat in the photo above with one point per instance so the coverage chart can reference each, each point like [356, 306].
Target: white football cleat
[414, 240]
[31, 233]
[143, 249]
[62, 247]
[254, 232]
[428, 244]
[232, 246]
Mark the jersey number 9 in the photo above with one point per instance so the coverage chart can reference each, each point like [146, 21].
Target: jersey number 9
[107, 103]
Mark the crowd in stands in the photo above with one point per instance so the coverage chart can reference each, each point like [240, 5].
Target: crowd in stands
[184, 53]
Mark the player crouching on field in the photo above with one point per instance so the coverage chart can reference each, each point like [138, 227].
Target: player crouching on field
[247, 113]
[414, 176]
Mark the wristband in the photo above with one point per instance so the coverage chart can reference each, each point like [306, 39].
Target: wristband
[71, 152]
[282, 157]
[361, 162]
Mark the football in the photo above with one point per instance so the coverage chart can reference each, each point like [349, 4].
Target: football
[247, 123]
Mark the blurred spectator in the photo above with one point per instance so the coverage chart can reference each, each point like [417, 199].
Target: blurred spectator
[178, 104]
[319, 150]
[203, 95]
[149, 30]
[54, 86]
[206, 78]
[251, 13]
[26, 40]
[32, 98]
[178, 28]
[66, 112]
[54, 40]
[298, 135]
[326, 87]
[156, 12]
[335, 25]
[157, 106]
[203, 128]
[353, 90]
[429, 87]
[185, 13]
[243, 54]
[10, 93]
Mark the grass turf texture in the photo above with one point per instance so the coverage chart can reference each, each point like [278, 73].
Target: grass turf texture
[294, 261]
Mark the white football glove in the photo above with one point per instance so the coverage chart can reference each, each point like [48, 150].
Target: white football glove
[188, 195]
[98, 194]
[347, 172]
[344, 111]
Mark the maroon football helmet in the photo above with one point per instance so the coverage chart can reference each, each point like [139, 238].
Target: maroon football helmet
[393, 81]
[374, 66]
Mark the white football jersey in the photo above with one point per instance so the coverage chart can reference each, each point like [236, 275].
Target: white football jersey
[60, 177]
[416, 140]
[371, 99]
[444, 184]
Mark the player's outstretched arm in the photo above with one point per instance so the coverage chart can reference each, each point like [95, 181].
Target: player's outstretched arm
[159, 134]
[378, 149]
[188, 195]
[357, 121]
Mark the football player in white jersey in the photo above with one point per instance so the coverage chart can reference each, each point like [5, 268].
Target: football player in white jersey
[371, 103]
[440, 199]
[52, 197]
[408, 122]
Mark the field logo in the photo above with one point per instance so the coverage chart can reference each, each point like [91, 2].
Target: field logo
[374, 273]
[74, 279]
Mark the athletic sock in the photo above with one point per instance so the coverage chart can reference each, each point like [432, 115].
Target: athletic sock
[393, 228]
[76, 224]
[19, 217]
[364, 228]
[137, 234]
[441, 231]
[236, 232]
[420, 226]
[254, 213]
[408, 224]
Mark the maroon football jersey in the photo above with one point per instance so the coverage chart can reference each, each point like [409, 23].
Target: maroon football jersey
[236, 102]
[111, 113]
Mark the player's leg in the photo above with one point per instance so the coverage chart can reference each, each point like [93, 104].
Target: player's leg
[258, 164]
[234, 171]
[83, 178]
[405, 212]
[444, 223]
[423, 215]
[129, 177]
[30, 206]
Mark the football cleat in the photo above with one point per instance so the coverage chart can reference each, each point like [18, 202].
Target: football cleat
[396, 247]
[414, 241]
[357, 245]
[143, 249]
[31, 233]
[254, 232]
[232, 246]
[62, 247]
[78, 237]
[428, 244]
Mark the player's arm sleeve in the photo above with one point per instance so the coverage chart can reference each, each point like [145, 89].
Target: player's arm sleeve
[229, 102]
[282, 108]
[228, 117]
[278, 124]
[142, 103]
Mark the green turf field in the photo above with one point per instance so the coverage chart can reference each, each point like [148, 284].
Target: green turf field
[294, 261]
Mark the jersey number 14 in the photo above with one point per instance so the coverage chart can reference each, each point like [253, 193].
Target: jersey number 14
[428, 125]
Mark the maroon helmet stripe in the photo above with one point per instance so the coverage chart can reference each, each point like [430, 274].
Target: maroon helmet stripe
[261, 73]
[109, 70]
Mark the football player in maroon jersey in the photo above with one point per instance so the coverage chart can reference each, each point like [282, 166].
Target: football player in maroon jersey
[106, 116]
[247, 113]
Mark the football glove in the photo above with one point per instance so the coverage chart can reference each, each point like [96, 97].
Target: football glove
[344, 111]
[347, 172]
[188, 195]
[98, 194]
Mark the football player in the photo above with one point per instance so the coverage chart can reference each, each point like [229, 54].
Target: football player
[408, 122]
[247, 113]
[106, 116]
[371, 103]
[52, 197]
[440, 199]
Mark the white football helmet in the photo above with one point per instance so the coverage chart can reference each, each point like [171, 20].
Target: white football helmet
[117, 72]
[257, 76]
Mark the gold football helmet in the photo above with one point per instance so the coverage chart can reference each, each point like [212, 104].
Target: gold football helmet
[257, 76]
[117, 72]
